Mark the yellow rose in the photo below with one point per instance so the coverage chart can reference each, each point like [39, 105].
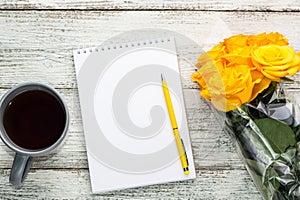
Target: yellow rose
[215, 53]
[275, 61]
[239, 47]
[233, 43]
[236, 70]
[229, 87]
[240, 56]
[265, 39]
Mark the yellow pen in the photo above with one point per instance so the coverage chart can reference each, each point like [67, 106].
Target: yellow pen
[179, 142]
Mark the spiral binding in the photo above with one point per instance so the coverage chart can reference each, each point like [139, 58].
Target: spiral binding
[123, 45]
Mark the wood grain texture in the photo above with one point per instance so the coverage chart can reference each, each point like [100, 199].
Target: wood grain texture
[211, 146]
[37, 46]
[206, 5]
[75, 184]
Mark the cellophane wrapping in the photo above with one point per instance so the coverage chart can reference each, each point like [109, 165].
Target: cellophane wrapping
[266, 132]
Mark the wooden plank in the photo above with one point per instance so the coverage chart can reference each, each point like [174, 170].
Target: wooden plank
[37, 46]
[206, 5]
[211, 146]
[211, 150]
[74, 184]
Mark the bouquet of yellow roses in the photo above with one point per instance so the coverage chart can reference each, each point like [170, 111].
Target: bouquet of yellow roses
[241, 77]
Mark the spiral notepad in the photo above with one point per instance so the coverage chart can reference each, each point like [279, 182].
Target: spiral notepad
[128, 134]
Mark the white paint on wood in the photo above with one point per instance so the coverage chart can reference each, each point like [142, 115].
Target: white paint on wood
[211, 146]
[37, 46]
[75, 184]
[225, 5]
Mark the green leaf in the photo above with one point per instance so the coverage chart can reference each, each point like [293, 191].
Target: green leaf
[279, 135]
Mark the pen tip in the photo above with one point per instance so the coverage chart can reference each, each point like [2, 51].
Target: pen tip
[162, 77]
[186, 171]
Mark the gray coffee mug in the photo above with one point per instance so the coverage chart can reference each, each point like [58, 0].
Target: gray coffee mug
[23, 156]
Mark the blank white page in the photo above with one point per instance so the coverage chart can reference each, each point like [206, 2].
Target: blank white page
[128, 133]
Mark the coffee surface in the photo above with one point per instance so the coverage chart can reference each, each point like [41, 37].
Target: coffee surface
[34, 120]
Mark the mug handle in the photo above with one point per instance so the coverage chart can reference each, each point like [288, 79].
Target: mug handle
[20, 168]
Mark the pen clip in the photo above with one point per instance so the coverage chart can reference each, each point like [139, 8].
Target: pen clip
[187, 160]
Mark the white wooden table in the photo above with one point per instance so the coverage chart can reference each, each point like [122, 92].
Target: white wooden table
[36, 42]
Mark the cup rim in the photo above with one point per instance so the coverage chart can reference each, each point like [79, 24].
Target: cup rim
[4, 136]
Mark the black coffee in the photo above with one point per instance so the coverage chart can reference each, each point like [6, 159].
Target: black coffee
[34, 119]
